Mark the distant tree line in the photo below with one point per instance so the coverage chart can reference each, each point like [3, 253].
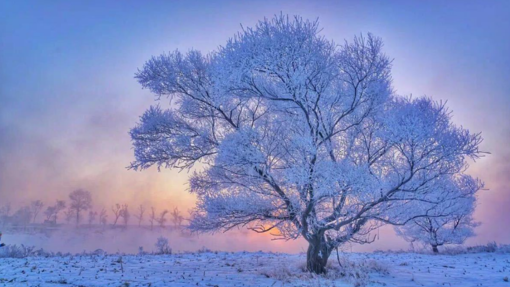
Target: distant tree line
[434, 230]
[78, 210]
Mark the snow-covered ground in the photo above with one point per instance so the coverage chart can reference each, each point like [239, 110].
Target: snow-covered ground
[257, 269]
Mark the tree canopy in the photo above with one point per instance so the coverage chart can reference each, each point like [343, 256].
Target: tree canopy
[298, 135]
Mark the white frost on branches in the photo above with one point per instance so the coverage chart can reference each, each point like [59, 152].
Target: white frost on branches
[450, 221]
[296, 133]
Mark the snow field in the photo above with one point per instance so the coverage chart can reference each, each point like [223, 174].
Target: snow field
[257, 269]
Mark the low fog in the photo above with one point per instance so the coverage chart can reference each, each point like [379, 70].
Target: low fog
[129, 240]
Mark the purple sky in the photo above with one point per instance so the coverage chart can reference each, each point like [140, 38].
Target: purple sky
[68, 97]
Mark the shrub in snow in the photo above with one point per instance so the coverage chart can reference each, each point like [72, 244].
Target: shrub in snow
[298, 134]
[489, 247]
[98, 252]
[162, 246]
[282, 273]
[22, 251]
[356, 272]
[141, 252]
[453, 250]
[503, 248]
[204, 250]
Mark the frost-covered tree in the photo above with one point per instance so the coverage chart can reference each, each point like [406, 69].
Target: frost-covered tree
[116, 209]
[68, 215]
[36, 207]
[152, 217]
[450, 221]
[125, 215]
[52, 212]
[22, 217]
[162, 246]
[177, 217]
[295, 134]
[5, 212]
[139, 216]
[161, 220]
[103, 217]
[81, 200]
[92, 216]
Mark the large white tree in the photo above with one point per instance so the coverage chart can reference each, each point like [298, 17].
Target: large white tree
[292, 133]
[449, 222]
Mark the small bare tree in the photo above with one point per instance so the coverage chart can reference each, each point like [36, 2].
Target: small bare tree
[161, 220]
[5, 211]
[124, 214]
[139, 216]
[35, 208]
[116, 211]
[81, 200]
[177, 217]
[92, 216]
[22, 217]
[52, 212]
[69, 214]
[103, 217]
[152, 217]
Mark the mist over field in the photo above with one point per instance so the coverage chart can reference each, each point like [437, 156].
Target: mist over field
[129, 240]
[69, 239]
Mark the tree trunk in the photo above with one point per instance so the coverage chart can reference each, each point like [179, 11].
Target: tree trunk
[434, 249]
[317, 256]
